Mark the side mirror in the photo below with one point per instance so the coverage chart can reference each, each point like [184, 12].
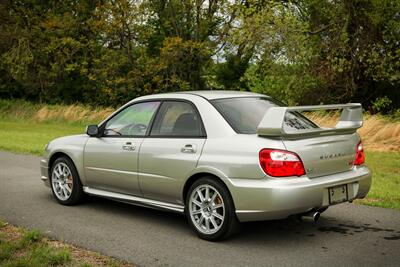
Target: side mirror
[92, 130]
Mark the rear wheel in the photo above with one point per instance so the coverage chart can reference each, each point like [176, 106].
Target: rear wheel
[210, 210]
[65, 183]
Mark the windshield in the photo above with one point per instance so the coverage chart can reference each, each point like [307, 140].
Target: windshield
[244, 114]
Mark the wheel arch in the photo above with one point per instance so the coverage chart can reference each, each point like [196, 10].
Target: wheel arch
[56, 156]
[194, 177]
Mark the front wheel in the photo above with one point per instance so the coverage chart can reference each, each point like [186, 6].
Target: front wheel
[210, 210]
[65, 182]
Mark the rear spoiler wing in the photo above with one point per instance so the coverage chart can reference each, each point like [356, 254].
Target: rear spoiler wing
[272, 124]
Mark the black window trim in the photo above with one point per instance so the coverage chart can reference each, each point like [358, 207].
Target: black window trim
[151, 122]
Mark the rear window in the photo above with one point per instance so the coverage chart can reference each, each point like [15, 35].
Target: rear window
[244, 114]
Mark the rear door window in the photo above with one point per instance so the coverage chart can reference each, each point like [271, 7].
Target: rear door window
[177, 118]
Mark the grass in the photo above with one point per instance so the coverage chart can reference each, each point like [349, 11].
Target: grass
[77, 113]
[19, 247]
[23, 136]
[26, 127]
[385, 190]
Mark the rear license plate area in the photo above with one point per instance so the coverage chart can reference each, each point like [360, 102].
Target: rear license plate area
[338, 194]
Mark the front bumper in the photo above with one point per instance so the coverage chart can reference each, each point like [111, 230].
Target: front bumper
[44, 170]
[278, 198]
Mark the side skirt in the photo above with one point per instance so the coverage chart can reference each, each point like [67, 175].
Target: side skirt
[139, 201]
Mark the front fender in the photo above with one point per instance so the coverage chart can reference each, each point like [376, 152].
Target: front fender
[71, 146]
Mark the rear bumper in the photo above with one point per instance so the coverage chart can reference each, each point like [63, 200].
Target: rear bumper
[44, 171]
[279, 198]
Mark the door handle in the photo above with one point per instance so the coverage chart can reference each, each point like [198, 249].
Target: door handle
[189, 148]
[129, 146]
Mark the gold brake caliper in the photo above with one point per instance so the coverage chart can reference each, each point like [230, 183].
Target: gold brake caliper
[218, 200]
[69, 181]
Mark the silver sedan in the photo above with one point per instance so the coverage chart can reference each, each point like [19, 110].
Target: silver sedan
[220, 157]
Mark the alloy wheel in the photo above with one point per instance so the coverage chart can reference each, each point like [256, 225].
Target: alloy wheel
[207, 209]
[62, 181]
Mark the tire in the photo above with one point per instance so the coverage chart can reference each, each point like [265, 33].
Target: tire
[65, 182]
[217, 208]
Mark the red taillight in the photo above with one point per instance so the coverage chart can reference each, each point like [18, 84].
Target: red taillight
[360, 156]
[280, 163]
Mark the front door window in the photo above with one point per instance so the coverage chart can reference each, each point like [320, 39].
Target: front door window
[132, 121]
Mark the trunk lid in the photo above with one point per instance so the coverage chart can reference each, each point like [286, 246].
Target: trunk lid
[325, 155]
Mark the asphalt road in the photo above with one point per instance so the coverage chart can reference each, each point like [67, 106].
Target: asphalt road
[346, 235]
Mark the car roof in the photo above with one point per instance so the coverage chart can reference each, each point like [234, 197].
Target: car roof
[217, 94]
[207, 94]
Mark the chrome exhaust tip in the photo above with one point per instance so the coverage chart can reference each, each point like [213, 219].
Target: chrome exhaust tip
[314, 215]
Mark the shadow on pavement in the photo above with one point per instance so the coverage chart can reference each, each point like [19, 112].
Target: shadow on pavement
[287, 229]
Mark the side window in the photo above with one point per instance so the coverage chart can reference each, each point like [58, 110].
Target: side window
[177, 119]
[133, 120]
